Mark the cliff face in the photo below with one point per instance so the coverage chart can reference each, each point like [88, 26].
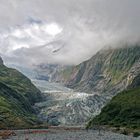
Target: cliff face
[17, 95]
[107, 72]
[1, 61]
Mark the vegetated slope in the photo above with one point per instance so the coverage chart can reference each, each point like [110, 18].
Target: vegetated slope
[17, 95]
[122, 110]
[15, 109]
[19, 83]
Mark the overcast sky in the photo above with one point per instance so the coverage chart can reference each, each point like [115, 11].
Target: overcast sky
[65, 31]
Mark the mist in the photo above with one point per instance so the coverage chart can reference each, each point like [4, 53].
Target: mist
[65, 32]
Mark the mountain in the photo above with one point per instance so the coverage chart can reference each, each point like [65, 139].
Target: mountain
[17, 95]
[1, 61]
[107, 72]
[105, 75]
[94, 81]
[48, 72]
[28, 72]
[19, 82]
[122, 110]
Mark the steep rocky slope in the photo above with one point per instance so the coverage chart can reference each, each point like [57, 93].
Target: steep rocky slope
[105, 75]
[17, 95]
[107, 72]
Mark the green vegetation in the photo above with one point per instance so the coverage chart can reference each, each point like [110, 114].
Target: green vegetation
[120, 62]
[15, 109]
[17, 95]
[122, 111]
[69, 72]
[19, 83]
[107, 68]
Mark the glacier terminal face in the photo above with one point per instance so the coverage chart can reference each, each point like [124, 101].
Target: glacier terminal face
[63, 106]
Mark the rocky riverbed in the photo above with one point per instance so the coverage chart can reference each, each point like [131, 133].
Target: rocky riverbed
[72, 134]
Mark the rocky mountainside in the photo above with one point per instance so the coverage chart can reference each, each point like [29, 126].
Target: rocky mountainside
[102, 77]
[17, 95]
[1, 61]
[107, 72]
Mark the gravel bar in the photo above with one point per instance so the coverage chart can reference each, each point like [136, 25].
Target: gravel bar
[73, 135]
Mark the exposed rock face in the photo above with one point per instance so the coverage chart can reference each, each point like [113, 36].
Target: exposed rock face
[107, 72]
[102, 77]
[1, 61]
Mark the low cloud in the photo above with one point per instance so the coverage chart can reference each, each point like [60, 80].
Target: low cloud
[77, 29]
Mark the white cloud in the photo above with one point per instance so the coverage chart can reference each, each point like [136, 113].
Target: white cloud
[28, 36]
[65, 31]
[52, 29]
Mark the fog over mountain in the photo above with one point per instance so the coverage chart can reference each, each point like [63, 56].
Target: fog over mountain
[65, 32]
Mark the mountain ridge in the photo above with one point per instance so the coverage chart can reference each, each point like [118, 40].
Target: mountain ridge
[1, 61]
[104, 70]
[102, 77]
[106, 74]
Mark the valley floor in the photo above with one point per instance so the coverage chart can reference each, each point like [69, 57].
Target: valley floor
[63, 106]
[68, 134]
